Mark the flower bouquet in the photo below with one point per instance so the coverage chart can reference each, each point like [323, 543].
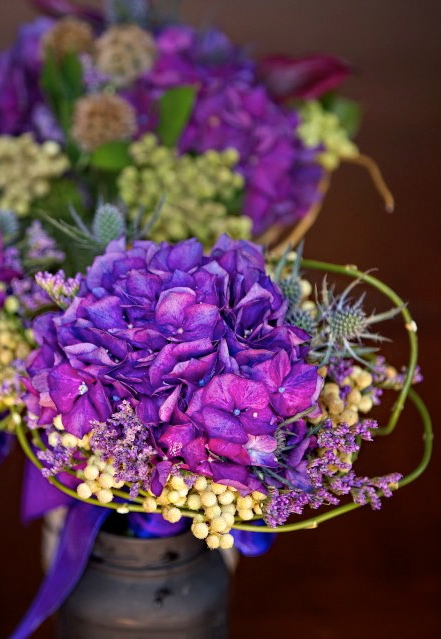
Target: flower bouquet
[179, 381]
[130, 107]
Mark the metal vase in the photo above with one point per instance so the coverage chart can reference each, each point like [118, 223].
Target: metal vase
[172, 587]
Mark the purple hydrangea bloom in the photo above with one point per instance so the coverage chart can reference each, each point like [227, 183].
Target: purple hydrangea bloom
[281, 175]
[191, 348]
[20, 67]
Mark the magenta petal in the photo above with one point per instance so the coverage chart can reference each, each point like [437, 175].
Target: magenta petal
[167, 408]
[308, 77]
[65, 384]
[195, 453]
[300, 390]
[220, 424]
[235, 452]
[160, 476]
[172, 304]
[176, 437]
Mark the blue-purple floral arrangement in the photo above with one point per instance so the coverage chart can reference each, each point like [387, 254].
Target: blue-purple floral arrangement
[184, 377]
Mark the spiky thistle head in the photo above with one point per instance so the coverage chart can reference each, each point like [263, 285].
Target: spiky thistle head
[108, 224]
[302, 318]
[343, 326]
[292, 289]
[9, 226]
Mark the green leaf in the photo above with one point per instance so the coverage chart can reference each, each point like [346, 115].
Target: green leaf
[175, 108]
[348, 112]
[62, 83]
[112, 156]
[72, 76]
[51, 81]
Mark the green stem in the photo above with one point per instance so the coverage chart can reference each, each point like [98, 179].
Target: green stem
[352, 271]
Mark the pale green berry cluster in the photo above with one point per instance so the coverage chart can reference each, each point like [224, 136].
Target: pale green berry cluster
[319, 127]
[15, 345]
[199, 192]
[26, 169]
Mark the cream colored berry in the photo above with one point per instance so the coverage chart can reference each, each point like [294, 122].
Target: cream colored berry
[229, 519]
[201, 484]
[213, 511]
[245, 513]
[118, 484]
[363, 380]
[173, 496]
[226, 541]
[213, 542]
[83, 491]
[58, 423]
[218, 489]
[228, 508]
[200, 530]
[244, 503]
[208, 498]
[258, 496]
[53, 439]
[91, 472]
[331, 388]
[354, 396]
[365, 404]
[335, 405]
[122, 510]
[226, 498]
[93, 485]
[194, 502]
[105, 480]
[218, 524]
[349, 417]
[198, 519]
[177, 483]
[68, 440]
[172, 515]
[149, 504]
[104, 496]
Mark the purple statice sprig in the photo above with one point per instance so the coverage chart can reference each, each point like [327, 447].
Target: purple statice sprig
[331, 476]
[40, 249]
[60, 289]
[126, 441]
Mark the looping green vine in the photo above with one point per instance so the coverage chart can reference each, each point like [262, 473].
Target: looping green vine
[405, 392]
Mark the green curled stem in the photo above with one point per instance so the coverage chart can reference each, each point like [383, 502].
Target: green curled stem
[312, 522]
[410, 325]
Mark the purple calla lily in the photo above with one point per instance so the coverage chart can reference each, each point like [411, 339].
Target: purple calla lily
[287, 78]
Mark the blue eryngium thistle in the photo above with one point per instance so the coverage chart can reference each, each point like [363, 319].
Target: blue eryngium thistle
[343, 326]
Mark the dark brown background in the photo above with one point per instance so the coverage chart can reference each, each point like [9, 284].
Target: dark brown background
[366, 575]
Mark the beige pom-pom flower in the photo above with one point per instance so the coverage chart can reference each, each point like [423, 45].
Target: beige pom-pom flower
[101, 118]
[68, 35]
[124, 52]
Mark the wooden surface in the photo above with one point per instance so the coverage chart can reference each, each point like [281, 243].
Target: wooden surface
[367, 575]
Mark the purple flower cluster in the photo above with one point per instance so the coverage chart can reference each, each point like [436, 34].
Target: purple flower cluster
[233, 109]
[10, 268]
[330, 475]
[196, 345]
[20, 68]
